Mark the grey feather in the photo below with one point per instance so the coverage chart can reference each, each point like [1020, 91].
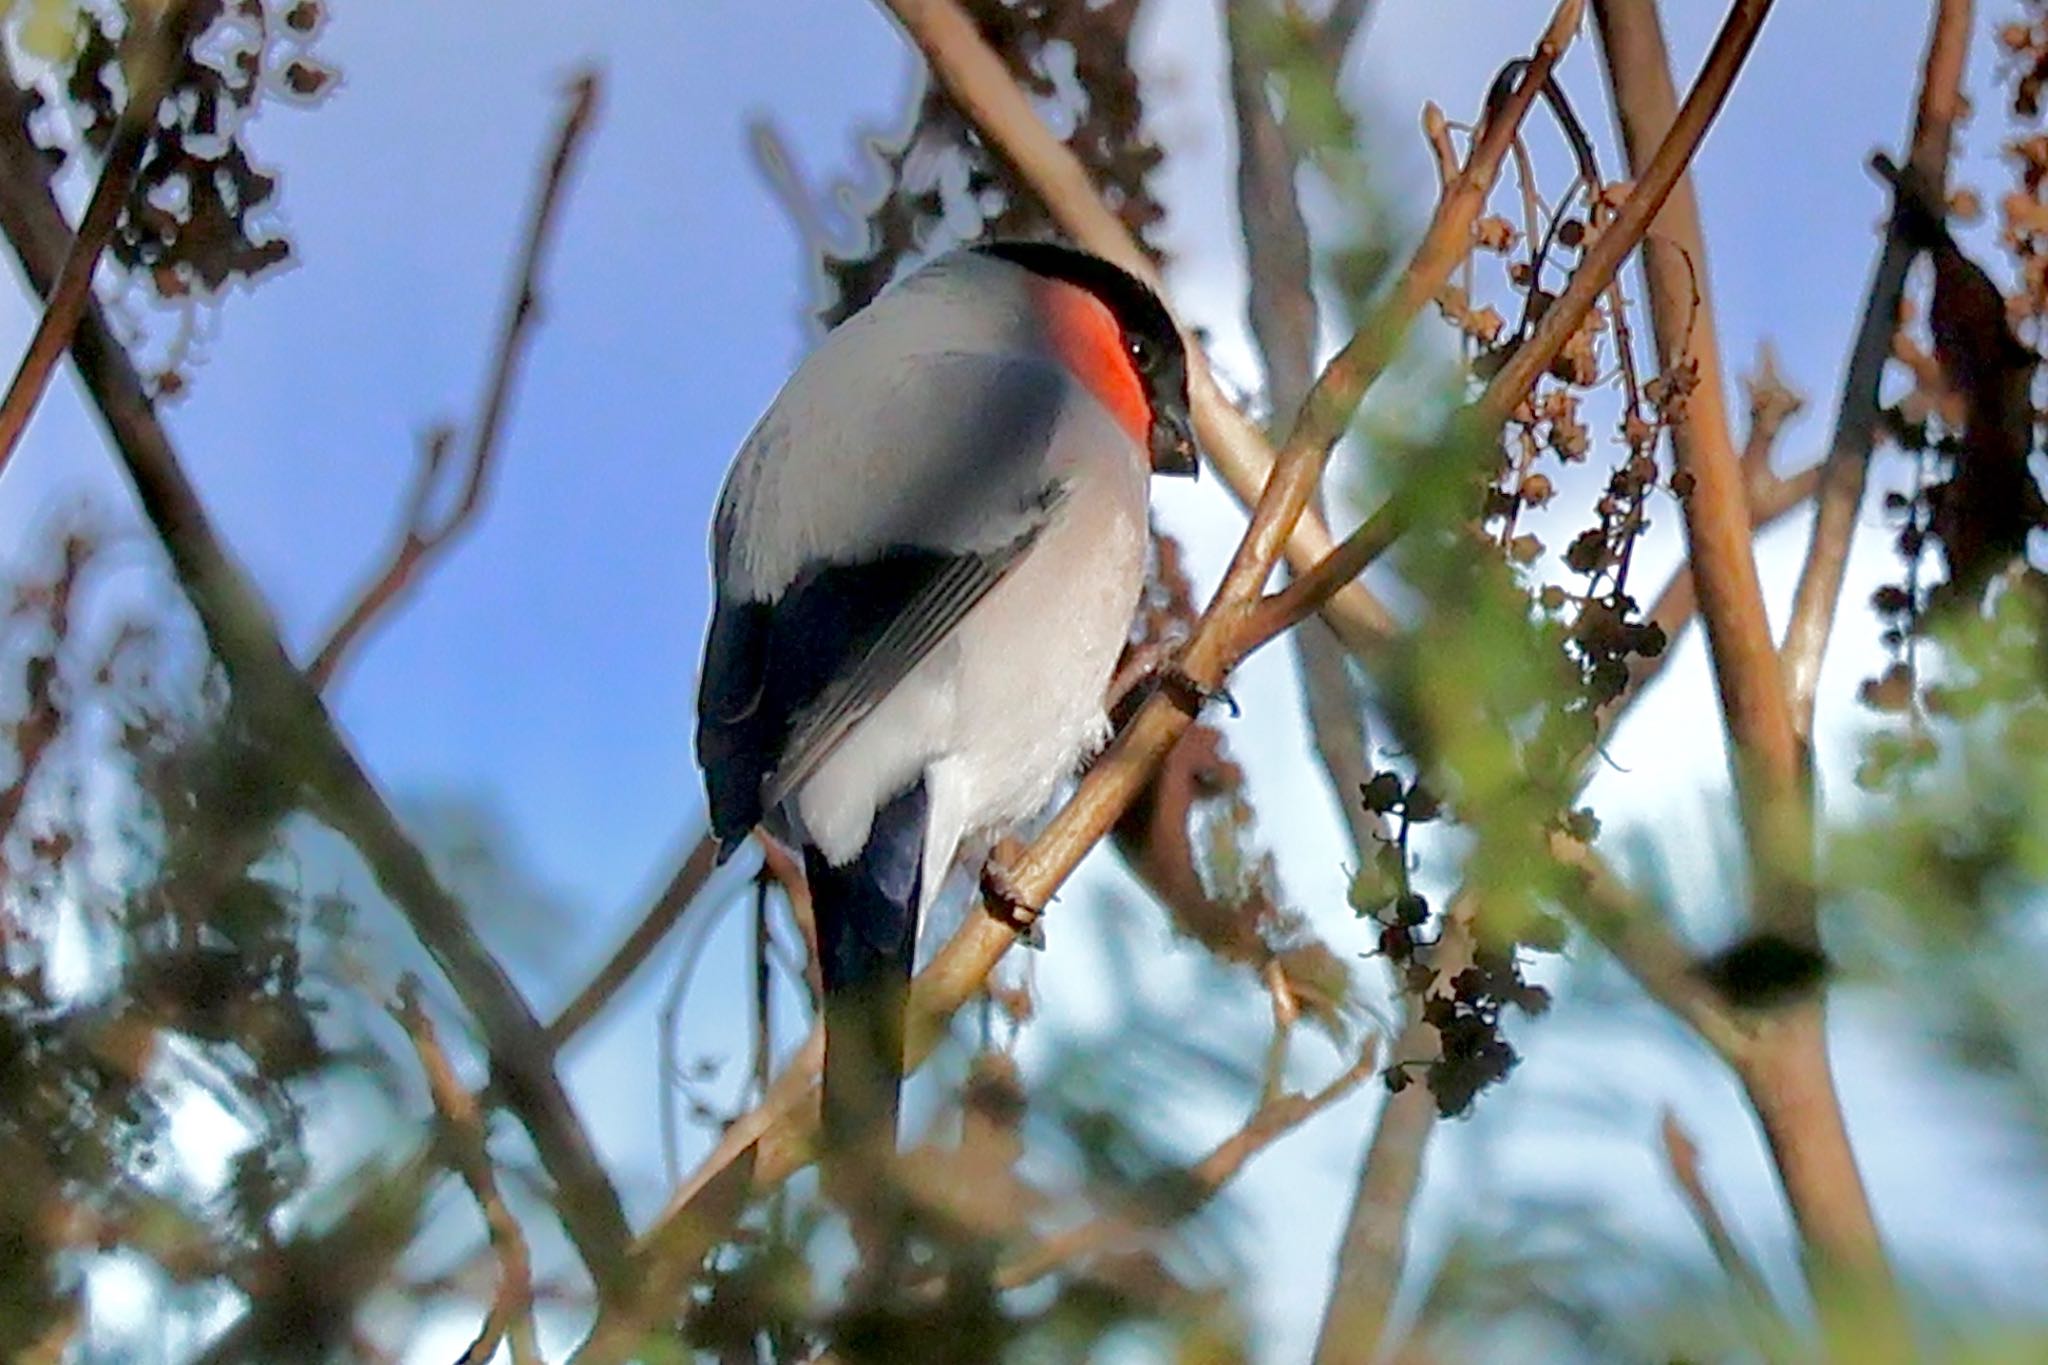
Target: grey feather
[923, 624]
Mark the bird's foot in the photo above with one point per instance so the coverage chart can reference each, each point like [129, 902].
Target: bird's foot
[1009, 906]
[1191, 694]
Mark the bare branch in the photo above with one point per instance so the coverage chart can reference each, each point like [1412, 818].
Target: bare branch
[1340, 28]
[152, 53]
[276, 702]
[1786, 1073]
[1856, 420]
[1784, 1064]
[1281, 301]
[766, 1144]
[422, 536]
[1373, 1251]
[1718, 532]
[462, 1130]
[1682, 1160]
[1772, 403]
[1281, 611]
[662, 915]
[1271, 1121]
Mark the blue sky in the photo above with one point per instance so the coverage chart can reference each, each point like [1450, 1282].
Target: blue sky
[549, 665]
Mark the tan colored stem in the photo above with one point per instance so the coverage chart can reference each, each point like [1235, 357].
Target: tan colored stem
[275, 700]
[153, 51]
[974, 76]
[423, 536]
[1848, 459]
[771, 1141]
[1718, 531]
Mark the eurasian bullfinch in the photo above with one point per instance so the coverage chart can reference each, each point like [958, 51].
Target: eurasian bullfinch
[926, 559]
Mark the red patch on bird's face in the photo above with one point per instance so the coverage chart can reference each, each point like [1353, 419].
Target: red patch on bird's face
[1089, 342]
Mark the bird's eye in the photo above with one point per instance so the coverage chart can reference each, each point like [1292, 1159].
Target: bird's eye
[1144, 353]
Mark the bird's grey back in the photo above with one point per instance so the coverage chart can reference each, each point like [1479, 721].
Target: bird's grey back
[926, 418]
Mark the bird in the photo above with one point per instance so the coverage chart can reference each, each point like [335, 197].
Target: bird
[926, 559]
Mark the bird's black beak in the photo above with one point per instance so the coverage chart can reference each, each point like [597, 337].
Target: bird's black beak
[1173, 444]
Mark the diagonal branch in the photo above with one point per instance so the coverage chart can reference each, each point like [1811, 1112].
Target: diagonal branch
[1856, 420]
[982, 88]
[1682, 1160]
[1716, 510]
[152, 53]
[661, 915]
[771, 1141]
[423, 536]
[462, 1123]
[1271, 1121]
[277, 703]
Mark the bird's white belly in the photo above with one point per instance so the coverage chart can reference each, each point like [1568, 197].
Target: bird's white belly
[1003, 711]
[1036, 658]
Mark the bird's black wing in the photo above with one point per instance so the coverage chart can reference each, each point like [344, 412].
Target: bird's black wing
[783, 683]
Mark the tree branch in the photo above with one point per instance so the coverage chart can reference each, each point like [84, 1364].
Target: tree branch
[1848, 460]
[1783, 1063]
[661, 916]
[153, 50]
[462, 1124]
[422, 537]
[1682, 1160]
[768, 1143]
[1718, 530]
[1271, 1121]
[1373, 1251]
[278, 704]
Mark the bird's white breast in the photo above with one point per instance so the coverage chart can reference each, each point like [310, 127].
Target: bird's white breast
[1005, 710]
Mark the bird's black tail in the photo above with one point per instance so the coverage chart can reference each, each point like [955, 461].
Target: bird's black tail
[867, 937]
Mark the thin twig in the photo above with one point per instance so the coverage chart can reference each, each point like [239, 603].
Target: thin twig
[764, 995]
[1856, 420]
[153, 51]
[423, 536]
[277, 702]
[1373, 1249]
[1272, 1120]
[979, 83]
[789, 875]
[771, 1141]
[462, 1124]
[1753, 699]
[667, 908]
[1682, 1160]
